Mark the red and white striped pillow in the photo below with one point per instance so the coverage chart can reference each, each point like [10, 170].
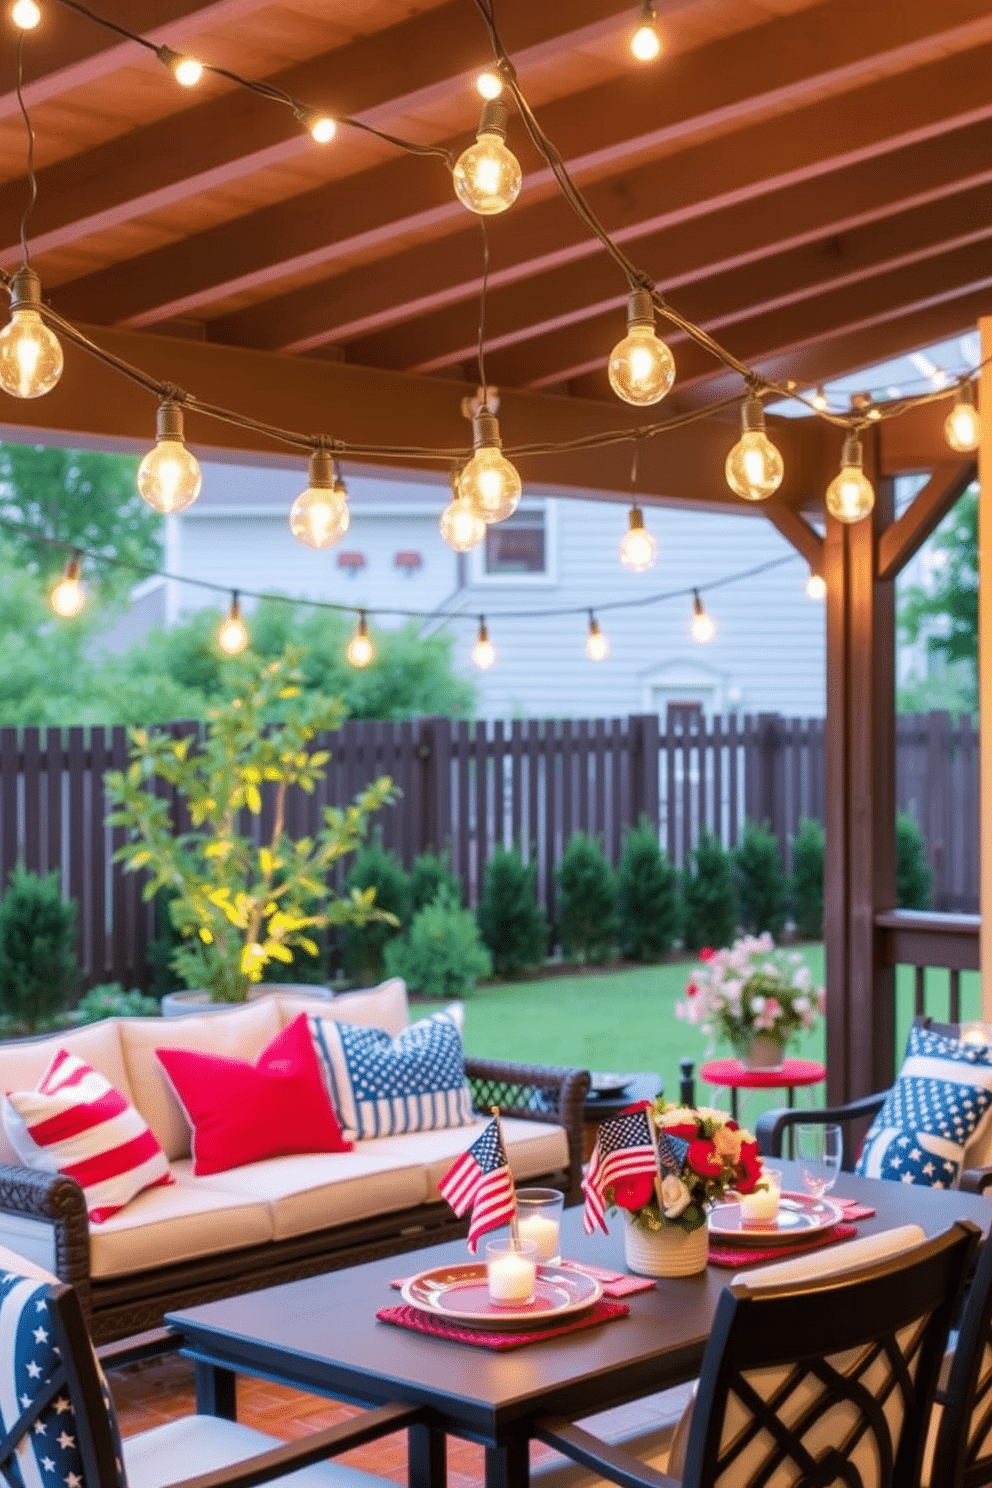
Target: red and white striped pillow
[75, 1122]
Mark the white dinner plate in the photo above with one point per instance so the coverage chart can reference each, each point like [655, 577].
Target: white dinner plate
[799, 1217]
[460, 1294]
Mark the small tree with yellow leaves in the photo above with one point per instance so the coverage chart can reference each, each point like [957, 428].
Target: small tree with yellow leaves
[242, 899]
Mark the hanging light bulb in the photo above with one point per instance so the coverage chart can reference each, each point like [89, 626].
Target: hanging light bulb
[489, 85]
[30, 354]
[819, 400]
[460, 527]
[597, 646]
[850, 495]
[816, 585]
[68, 597]
[645, 43]
[483, 652]
[487, 176]
[962, 427]
[169, 477]
[232, 637]
[25, 14]
[321, 127]
[641, 368]
[489, 483]
[319, 516]
[703, 629]
[754, 466]
[360, 650]
[187, 71]
[638, 549]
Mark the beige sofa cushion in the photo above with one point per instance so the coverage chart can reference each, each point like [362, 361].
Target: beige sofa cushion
[22, 1064]
[533, 1147]
[190, 1218]
[384, 1006]
[237, 1033]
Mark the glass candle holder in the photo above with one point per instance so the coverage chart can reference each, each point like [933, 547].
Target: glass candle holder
[539, 1213]
[511, 1270]
[761, 1206]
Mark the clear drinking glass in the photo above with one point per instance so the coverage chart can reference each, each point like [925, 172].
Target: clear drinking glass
[820, 1149]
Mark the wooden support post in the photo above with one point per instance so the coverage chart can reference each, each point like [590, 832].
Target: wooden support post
[985, 665]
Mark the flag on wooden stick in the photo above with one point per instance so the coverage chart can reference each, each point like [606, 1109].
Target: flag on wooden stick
[481, 1179]
[625, 1148]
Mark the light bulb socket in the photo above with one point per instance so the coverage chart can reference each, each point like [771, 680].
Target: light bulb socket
[752, 415]
[494, 118]
[648, 14]
[640, 308]
[361, 629]
[853, 454]
[485, 430]
[697, 603]
[169, 422]
[483, 637]
[322, 472]
[966, 393]
[72, 568]
[593, 626]
[25, 290]
[234, 613]
[635, 519]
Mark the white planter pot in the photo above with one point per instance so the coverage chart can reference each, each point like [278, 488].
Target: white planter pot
[761, 1052]
[178, 1004]
[670, 1251]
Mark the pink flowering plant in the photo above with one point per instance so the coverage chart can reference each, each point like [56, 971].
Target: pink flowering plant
[754, 987]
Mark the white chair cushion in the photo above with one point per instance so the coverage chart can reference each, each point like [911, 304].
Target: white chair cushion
[200, 1444]
[98, 1044]
[533, 1148]
[833, 1261]
[188, 1219]
[653, 1430]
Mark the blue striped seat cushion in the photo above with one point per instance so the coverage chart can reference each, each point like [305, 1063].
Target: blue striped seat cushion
[942, 1098]
[382, 1086]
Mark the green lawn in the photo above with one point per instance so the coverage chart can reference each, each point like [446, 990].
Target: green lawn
[625, 1020]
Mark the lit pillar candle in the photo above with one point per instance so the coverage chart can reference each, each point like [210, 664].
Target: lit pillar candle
[511, 1275]
[544, 1233]
[761, 1206]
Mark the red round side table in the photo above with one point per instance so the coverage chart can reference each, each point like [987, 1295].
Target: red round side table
[790, 1074]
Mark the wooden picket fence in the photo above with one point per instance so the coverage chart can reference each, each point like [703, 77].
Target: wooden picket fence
[469, 786]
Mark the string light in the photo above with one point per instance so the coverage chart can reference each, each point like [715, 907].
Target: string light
[850, 495]
[68, 597]
[489, 85]
[187, 71]
[483, 652]
[321, 127]
[819, 400]
[25, 14]
[754, 466]
[319, 516]
[489, 483]
[360, 650]
[460, 527]
[30, 354]
[645, 43]
[641, 368]
[487, 175]
[597, 646]
[232, 636]
[816, 585]
[963, 427]
[638, 549]
[169, 477]
[703, 629]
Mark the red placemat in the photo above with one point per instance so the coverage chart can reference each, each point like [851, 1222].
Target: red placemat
[751, 1255]
[422, 1322]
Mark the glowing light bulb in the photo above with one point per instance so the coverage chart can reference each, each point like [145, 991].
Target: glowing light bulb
[232, 636]
[641, 368]
[850, 495]
[30, 354]
[597, 646]
[489, 484]
[645, 43]
[25, 14]
[819, 400]
[68, 597]
[360, 650]
[460, 527]
[187, 71]
[963, 427]
[483, 652]
[638, 549]
[816, 586]
[487, 175]
[322, 128]
[169, 477]
[703, 629]
[319, 516]
[754, 466]
[489, 85]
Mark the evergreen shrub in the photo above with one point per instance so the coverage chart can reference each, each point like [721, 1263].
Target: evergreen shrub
[806, 895]
[512, 923]
[587, 900]
[442, 954]
[762, 892]
[913, 876]
[709, 903]
[430, 872]
[647, 896]
[109, 1000]
[364, 946]
[38, 967]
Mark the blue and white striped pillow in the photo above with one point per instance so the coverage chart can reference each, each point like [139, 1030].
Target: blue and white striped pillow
[942, 1097]
[381, 1086]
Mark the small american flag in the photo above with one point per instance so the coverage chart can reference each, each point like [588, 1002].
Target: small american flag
[481, 1178]
[624, 1149]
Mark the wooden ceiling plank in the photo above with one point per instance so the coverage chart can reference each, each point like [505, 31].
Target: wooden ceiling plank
[908, 533]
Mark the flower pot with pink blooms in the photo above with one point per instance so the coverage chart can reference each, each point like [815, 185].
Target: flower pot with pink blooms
[755, 996]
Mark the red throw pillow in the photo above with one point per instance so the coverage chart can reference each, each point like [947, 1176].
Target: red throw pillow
[241, 1113]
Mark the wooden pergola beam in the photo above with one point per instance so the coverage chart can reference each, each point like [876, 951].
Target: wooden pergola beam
[906, 536]
[796, 530]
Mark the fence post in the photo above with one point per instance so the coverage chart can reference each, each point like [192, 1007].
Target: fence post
[435, 759]
[644, 738]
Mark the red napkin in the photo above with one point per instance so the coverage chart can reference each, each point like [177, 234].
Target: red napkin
[422, 1322]
[853, 1209]
[753, 1255]
[614, 1283]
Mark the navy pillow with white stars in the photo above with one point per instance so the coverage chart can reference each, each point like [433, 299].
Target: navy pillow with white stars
[920, 1134]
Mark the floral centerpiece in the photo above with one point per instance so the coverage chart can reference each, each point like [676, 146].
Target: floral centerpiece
[755, 995]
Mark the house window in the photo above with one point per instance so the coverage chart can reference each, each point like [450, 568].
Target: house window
[518, 545]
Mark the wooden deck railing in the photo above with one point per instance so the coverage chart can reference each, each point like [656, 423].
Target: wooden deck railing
[922, 939]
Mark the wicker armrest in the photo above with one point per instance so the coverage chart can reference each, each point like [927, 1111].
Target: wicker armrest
[975, 1180]
[773, 1125]
[58, 1201]
[537, 1092]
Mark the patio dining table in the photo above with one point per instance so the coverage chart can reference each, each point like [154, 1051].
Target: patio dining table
[321, 1334]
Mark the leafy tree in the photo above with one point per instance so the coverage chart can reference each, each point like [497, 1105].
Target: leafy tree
[945, 613]
[647, 896]
[379, 870]
[708, 895]
[512, 923]
[430, 875]
[913, 875]
[807, 879]
[587, 899]
[760, 880]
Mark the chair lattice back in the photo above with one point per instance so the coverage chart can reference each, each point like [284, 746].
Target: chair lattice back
[827, 1383]
[963, 1452]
